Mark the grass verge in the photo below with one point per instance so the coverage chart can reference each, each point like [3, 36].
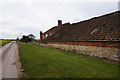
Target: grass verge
[42, 62]
[3, 42]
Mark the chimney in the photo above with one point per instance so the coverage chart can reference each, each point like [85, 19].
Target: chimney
[59, 22]
[41, 36]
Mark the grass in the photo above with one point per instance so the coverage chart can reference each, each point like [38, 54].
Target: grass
[3, 42]
[42, 62]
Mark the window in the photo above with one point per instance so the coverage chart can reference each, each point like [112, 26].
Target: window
[57, 35]
[94, 30]
[50, 33]
[46, 35]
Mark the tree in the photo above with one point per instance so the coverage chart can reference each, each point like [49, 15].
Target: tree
[31, 36]
[28, 38]
[17, 38]
[25, 39]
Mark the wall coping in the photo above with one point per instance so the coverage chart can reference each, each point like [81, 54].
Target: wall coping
[89, 40]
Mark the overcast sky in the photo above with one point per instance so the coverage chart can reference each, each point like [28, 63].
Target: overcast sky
[32, 16]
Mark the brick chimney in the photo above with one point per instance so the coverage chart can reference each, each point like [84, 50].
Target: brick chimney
[41, 36]
[59, 22]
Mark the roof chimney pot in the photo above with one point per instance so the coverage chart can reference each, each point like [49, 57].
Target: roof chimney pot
[59, 22]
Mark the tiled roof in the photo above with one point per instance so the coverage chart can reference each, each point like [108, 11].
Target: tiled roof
[101, 28]
[53, 29]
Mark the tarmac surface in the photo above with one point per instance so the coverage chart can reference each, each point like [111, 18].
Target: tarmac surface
[10, 66]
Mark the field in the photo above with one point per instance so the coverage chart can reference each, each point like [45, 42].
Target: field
[42, 62]
[3, 42]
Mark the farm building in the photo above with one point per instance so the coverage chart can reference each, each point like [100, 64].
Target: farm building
[50, 31]
[98, 36]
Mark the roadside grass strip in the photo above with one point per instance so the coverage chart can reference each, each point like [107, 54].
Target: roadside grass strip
[43, 62]
[3, 42]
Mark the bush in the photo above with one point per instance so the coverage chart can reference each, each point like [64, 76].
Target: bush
[26, 39]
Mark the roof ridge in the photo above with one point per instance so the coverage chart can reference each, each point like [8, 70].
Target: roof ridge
[97, 17]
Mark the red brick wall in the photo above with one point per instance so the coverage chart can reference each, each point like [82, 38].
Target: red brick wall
[90, 43]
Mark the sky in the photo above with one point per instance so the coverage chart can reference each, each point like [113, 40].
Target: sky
[23, 17]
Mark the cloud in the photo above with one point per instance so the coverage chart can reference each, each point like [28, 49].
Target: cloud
[32, 16]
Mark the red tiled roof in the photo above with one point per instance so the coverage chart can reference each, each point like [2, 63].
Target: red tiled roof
[52, 30]
[101, 28]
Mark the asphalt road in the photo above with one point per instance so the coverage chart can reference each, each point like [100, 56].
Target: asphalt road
[10, 66]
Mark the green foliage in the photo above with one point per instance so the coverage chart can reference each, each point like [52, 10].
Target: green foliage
[42, 62]
[26, 39]
[3, 42]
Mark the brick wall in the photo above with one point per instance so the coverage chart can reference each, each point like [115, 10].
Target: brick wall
[114, 44]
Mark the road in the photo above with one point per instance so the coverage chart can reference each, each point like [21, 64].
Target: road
[10, 66]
